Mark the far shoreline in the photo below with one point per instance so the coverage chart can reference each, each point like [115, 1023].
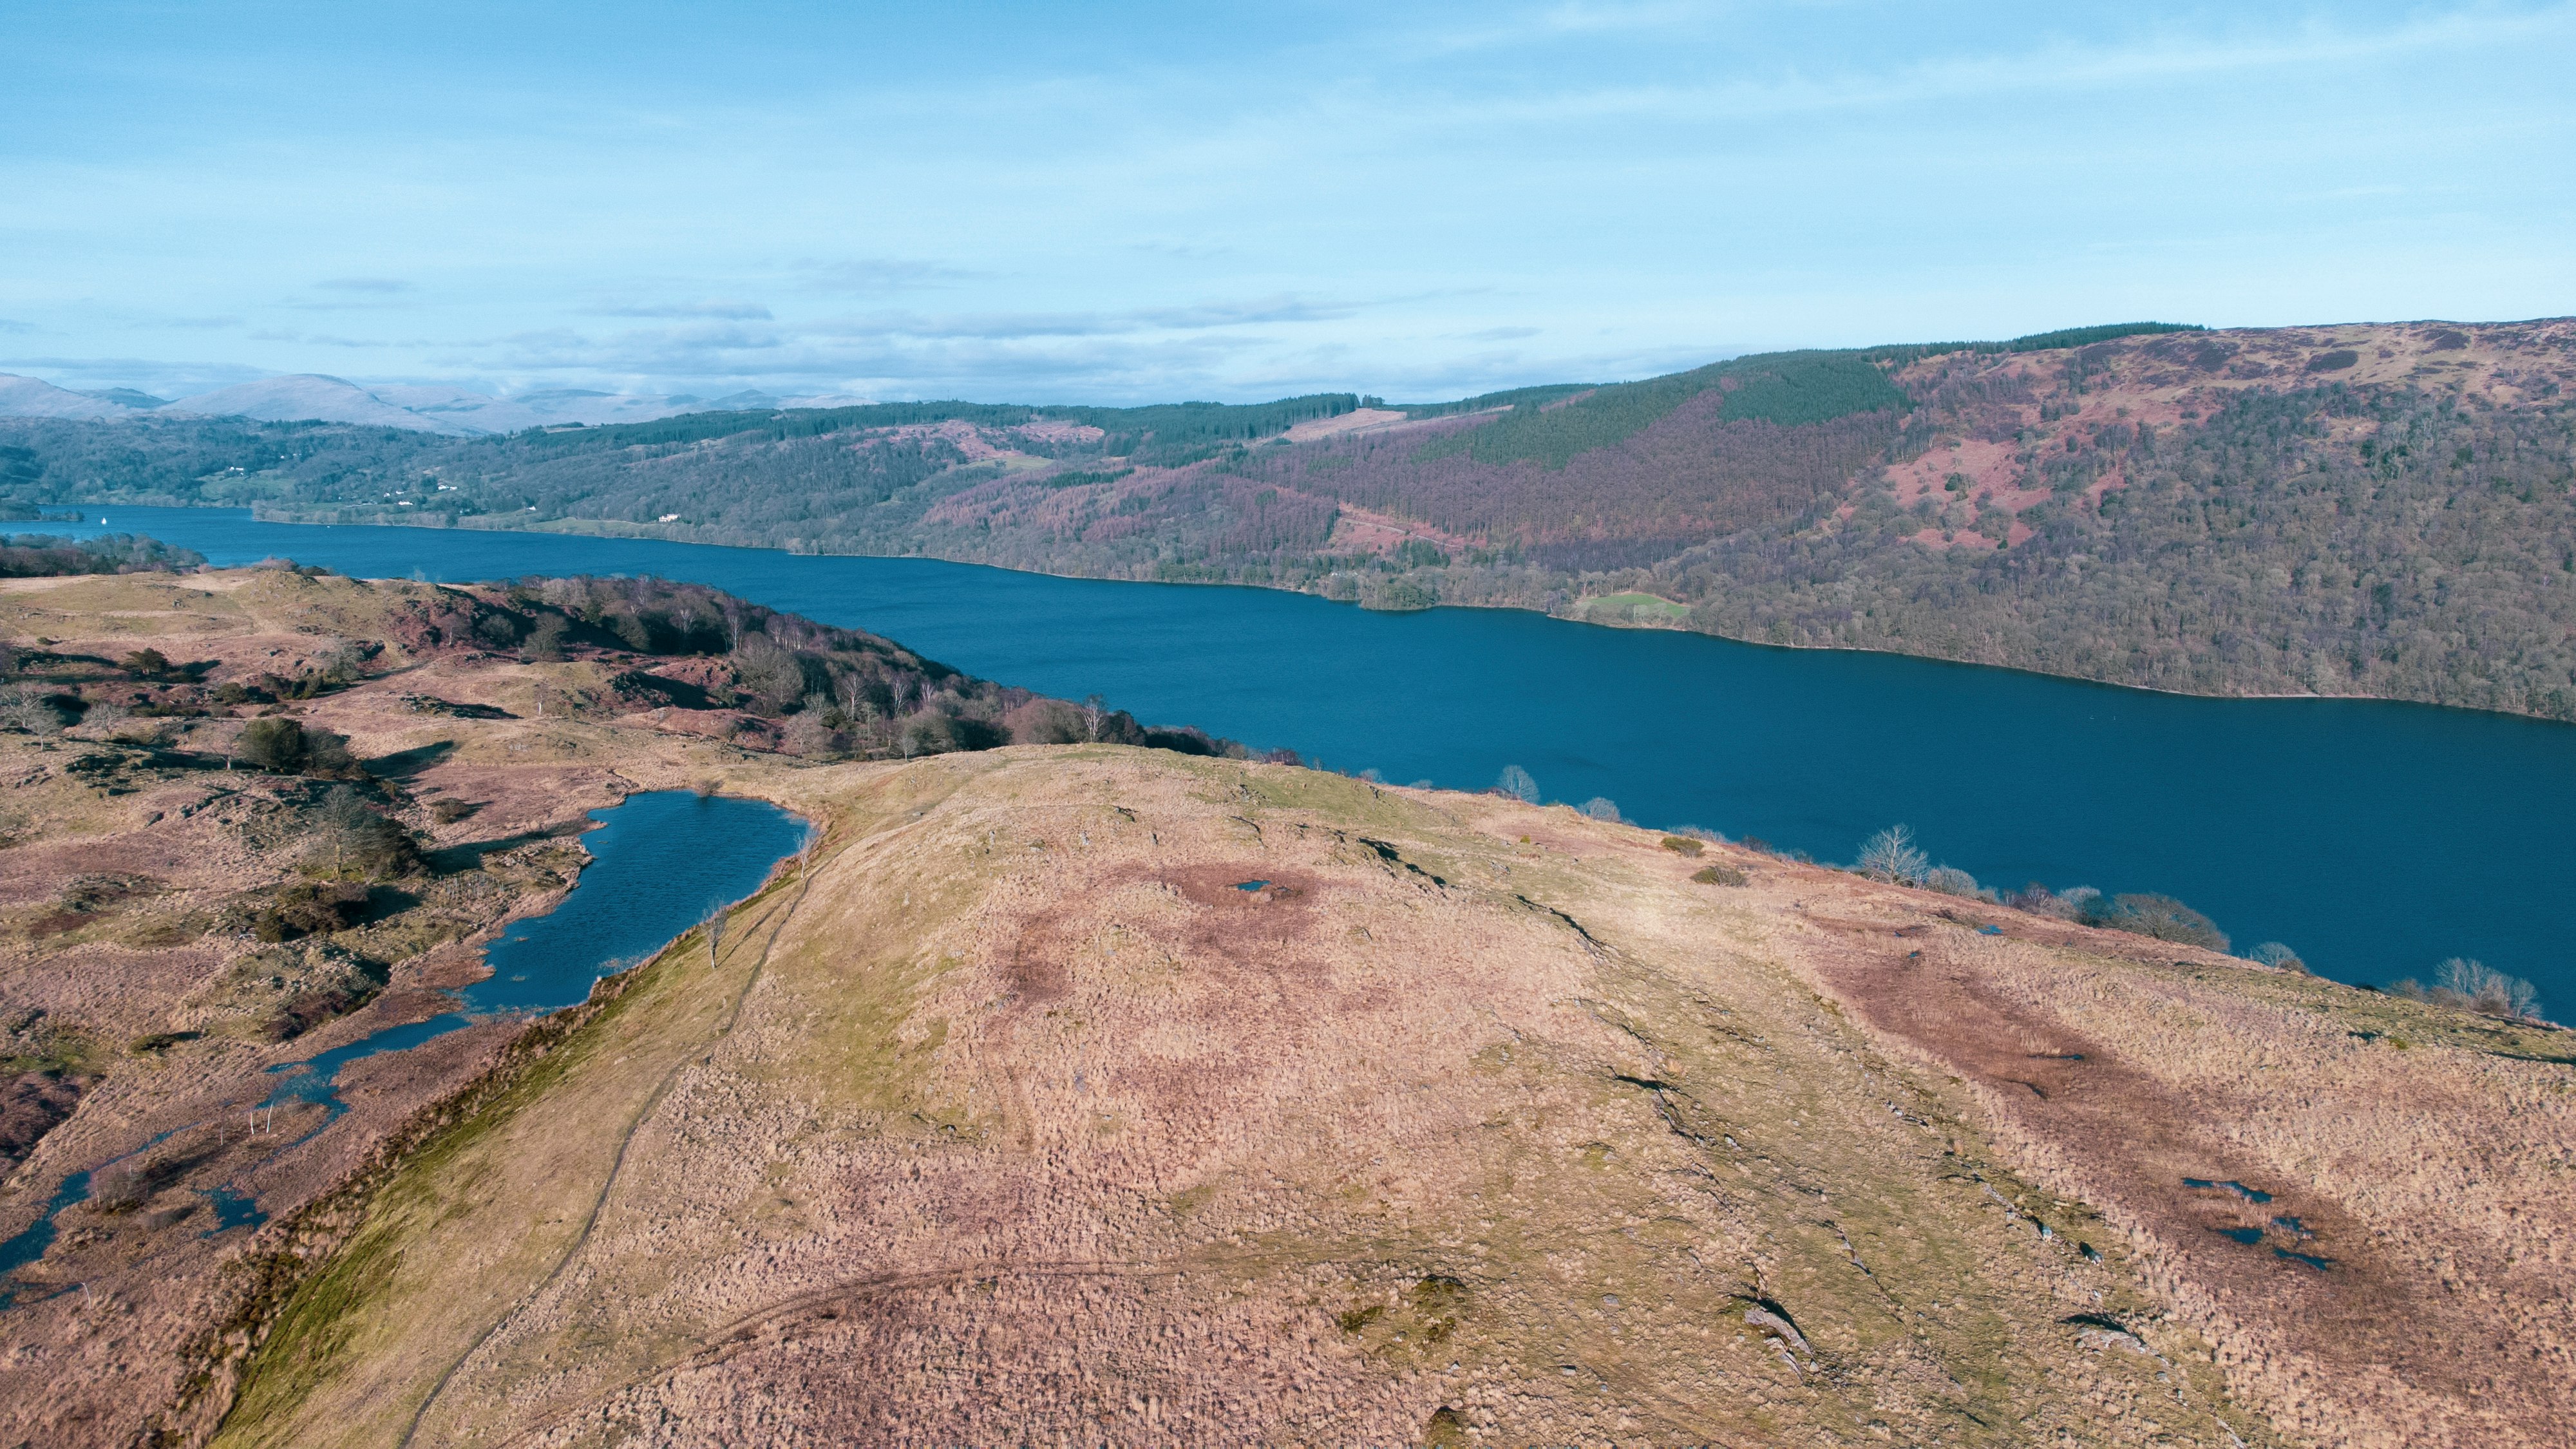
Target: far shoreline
[621, 531]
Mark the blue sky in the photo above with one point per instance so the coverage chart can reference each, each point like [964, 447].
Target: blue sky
[1123, 202]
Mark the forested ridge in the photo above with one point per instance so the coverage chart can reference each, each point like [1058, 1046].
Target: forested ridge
[2385, 510]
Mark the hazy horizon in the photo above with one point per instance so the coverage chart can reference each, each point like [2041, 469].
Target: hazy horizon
[1147, 202]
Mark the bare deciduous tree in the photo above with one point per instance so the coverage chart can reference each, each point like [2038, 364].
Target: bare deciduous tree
[715, 926]
[29, 710]
[2274, 953]
[1891, 855]
[1516, 782]
[1095, 712]
[2481, 987]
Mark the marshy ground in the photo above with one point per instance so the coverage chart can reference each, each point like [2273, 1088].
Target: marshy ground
[1009, 1114]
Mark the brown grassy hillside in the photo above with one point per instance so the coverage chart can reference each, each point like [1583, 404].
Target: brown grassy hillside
[1114, 1095]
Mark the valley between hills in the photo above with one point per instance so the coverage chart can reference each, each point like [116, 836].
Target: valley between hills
[2376, 510]
[1071, 1090]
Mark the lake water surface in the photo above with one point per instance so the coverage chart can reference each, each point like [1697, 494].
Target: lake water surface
[2375, 838]
[660, 862]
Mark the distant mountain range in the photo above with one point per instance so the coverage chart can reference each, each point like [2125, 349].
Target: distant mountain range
[432, 408]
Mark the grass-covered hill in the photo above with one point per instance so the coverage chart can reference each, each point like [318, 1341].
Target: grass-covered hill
[2372, 509]
[1082, 1093]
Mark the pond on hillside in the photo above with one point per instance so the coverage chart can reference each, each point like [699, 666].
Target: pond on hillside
[660, 863]
[2375, 838]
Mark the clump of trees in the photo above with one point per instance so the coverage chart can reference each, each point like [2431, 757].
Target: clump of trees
[308, 908]
[829, 692]
[2471, 985]
[282, 745]
[42, 555]
[1893, 855]
[351, 840]
[2143, 914]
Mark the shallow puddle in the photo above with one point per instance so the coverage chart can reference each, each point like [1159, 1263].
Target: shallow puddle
[2250, 1194]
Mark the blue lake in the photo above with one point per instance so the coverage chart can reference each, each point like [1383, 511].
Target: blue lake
[2375, 838]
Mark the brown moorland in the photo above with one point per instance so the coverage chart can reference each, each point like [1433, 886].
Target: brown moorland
[1101, 1094]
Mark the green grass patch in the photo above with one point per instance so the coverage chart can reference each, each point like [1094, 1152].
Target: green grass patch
[1631, 608]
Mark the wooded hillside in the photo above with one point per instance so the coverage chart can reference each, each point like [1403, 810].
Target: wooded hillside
[2377, 509]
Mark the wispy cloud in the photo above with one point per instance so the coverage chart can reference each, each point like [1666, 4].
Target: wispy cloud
[712, 307]
[9, 324]
[2055, 67]
[868, 275]
[325, 304]
[1510, 27]
[1192, 317]
[1452, 195]
[325, 339]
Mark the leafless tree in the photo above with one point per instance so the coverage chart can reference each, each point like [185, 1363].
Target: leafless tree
[28, 709]
[2274, 953]
[715, 926]
[2481, 987]
[1517, 783]
[1891, 855]
[1095, 712]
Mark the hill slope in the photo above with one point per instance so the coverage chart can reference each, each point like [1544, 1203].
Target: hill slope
[2365, 510]
[1088, 1092]
[1032, 1120]
[27, 397]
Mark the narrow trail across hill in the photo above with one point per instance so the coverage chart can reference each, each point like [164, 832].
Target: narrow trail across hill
[777, 923]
